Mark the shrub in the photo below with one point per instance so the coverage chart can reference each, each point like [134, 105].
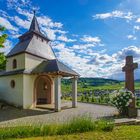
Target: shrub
[76, 125]
[92, 99]
[87, 99]
[82, 98]
[122, 100]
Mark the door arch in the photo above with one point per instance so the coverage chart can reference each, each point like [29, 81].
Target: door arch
[43, 90]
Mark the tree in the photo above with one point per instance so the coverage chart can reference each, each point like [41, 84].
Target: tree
[2, 61]
[3, 38]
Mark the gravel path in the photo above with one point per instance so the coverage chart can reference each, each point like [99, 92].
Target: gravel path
[13, 116]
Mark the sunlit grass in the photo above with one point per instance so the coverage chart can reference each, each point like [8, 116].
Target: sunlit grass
[76, 125]
[119, 133]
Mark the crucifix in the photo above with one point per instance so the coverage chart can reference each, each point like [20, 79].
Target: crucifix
[129, 68]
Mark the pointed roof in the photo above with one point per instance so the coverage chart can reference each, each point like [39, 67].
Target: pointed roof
[54, 66]
[28, 43]
[34, 24]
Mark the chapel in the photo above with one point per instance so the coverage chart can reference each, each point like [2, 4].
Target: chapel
[33, 73]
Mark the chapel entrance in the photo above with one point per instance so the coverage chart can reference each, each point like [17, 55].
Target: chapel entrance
[43, 90]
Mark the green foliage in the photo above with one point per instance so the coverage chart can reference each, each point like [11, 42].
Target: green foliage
[122, 99]
[3, 37]
[92, 99]
[2, 61]
[82, 98]
[76, 125]
[104, 125]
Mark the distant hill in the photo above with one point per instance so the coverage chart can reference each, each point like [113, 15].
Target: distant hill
[137, 80]
[92, 81]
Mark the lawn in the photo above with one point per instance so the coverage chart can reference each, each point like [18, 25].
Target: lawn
[119, 133]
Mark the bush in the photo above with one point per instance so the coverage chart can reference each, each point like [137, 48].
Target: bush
[87, 99]
[82, 98]
[92, 99]
[122, 100]
[76, 125]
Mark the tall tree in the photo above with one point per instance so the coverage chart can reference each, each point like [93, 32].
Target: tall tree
[2, 61]
[3, 38]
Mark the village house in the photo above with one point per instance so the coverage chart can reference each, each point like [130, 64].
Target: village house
[33, 73]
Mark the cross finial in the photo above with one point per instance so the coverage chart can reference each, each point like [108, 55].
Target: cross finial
[34, 12]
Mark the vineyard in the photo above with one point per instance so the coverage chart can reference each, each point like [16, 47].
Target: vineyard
[97, 90]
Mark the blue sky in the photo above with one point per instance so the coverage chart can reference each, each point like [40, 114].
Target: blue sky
[91, 36]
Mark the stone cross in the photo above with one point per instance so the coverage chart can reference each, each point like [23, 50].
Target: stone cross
[129, 76]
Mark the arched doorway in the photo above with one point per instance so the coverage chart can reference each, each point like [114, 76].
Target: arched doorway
[43, 90]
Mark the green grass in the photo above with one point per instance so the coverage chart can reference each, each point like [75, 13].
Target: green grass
[76, 125]
[119, 133]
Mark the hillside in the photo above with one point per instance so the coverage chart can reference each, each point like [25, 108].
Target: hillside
[92, 81]
[90, 84]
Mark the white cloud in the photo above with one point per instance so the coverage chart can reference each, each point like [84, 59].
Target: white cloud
[18, 3]
[23, 23]
[65, 39]
[130, 50]
[131, 37]
[138, 20]
[8, 45]
[4, 22]
[91, 39]
[136, 27]
[115, 14]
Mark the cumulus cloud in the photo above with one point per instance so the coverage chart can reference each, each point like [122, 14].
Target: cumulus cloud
[131, 37]
[87, 38]
[65, 39]
[18, 3]
[4, 22]
[115, 14]
[136, 27]
[138, 20]
[130, 50]
[22, 23]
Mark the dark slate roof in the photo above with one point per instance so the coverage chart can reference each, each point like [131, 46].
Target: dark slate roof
[34, 25]
[6, 73]
[33, 46]
[48, 66]
[20, 47]
[52, 66]
[14, 72]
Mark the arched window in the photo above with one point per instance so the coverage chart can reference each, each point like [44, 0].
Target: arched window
[12, 83]
[14, 63]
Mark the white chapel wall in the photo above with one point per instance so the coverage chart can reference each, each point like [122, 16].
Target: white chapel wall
[32, 61]
[28, 90]
[9, 94]
[20, 58]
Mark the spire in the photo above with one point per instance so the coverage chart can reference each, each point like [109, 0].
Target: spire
[34, 25]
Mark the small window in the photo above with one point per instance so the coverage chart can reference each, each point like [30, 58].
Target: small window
[14, 64]
[12, 83]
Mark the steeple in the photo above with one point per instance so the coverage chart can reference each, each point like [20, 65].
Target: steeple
[34, 25]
